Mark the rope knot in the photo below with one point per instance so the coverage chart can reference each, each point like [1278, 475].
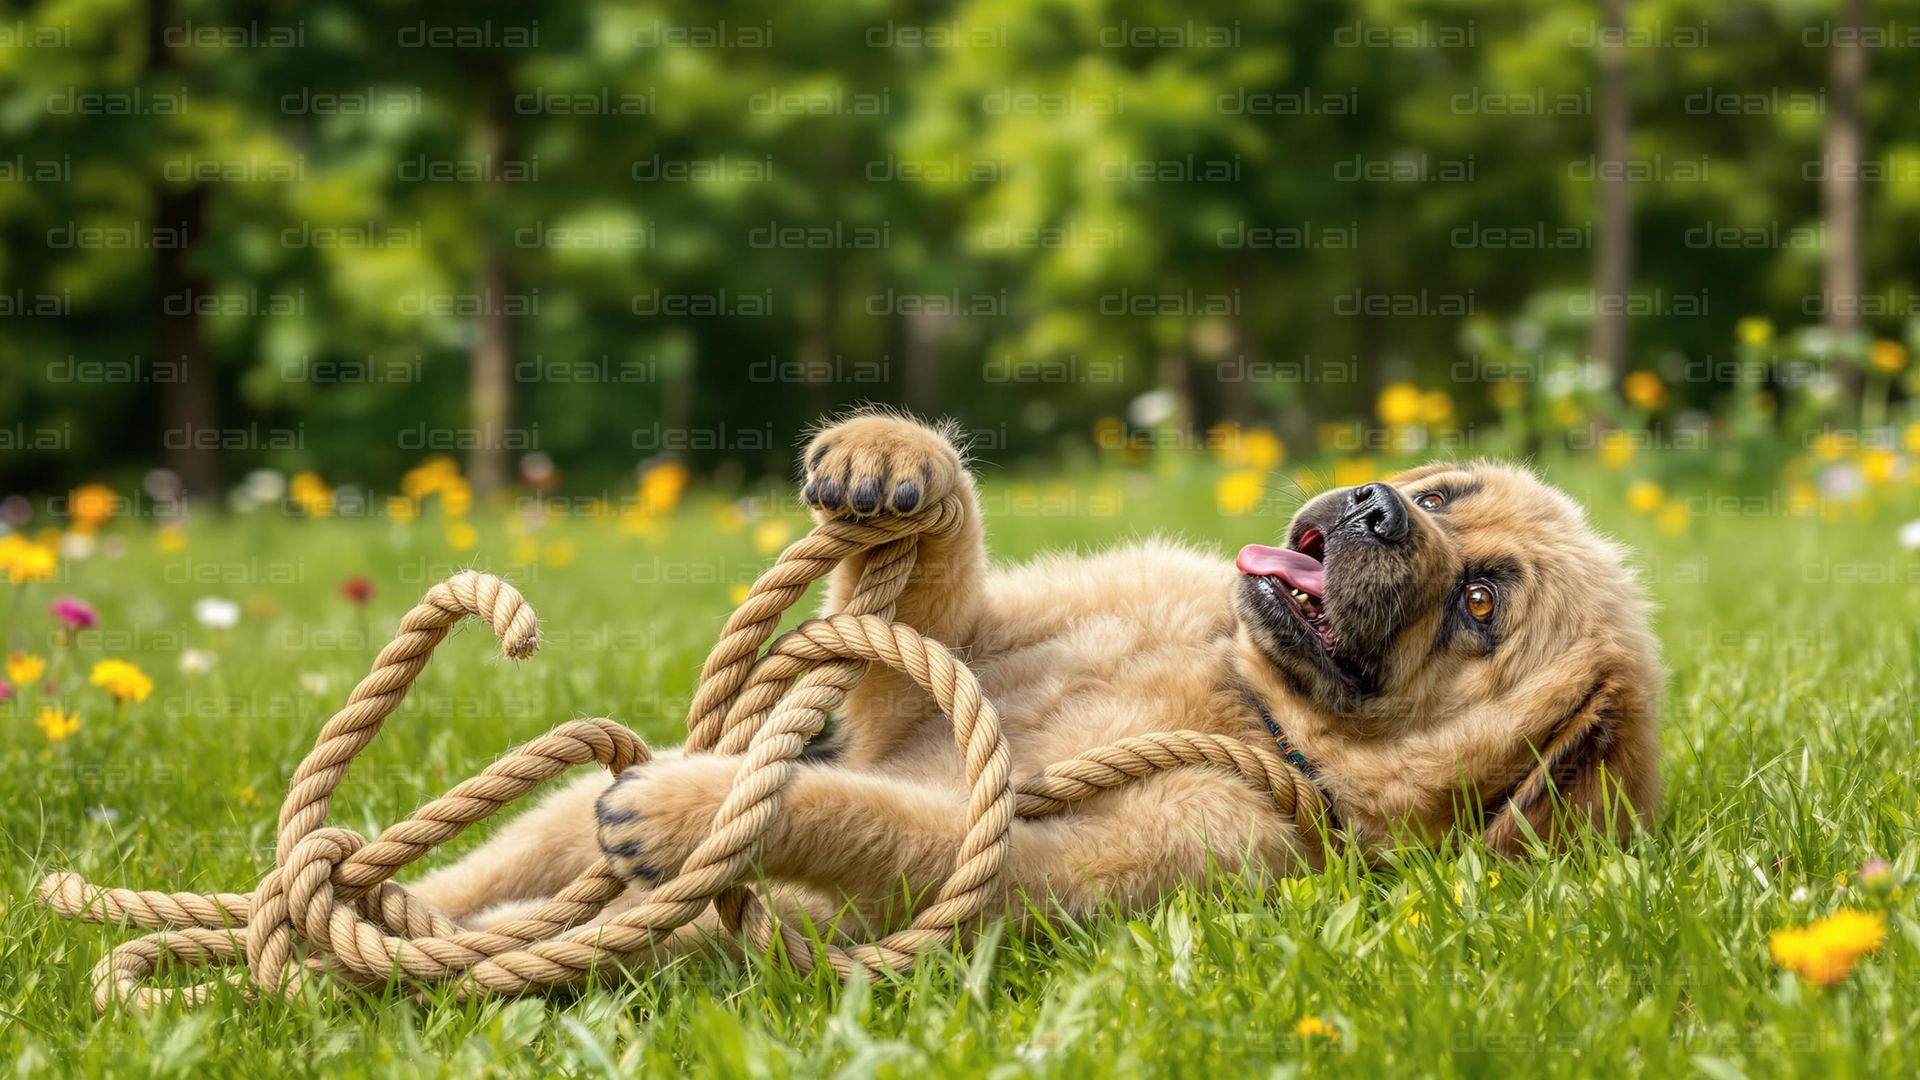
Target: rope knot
[308, 878]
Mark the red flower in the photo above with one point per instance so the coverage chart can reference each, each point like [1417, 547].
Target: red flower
[357, 589]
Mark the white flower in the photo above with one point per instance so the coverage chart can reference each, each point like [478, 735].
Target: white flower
[1841, 481]
[314, 682]
[1153, 407]
[1910, 535]
[264, 485]
[216, 613]
[77, 545]
[196, 662]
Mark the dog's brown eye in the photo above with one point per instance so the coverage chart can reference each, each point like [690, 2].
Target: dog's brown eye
[1481, 599]
[1431, 500]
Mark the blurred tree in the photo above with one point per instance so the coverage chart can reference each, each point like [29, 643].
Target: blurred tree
[1613, 239]
[190, 395]
[1033, 215]
[1841, 152]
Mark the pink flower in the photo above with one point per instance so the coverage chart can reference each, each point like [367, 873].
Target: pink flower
[6, 690]
[74, 614]
[1876, 878]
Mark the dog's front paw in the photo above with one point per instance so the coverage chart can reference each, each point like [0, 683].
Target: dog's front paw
[655, 814]
[879, 464]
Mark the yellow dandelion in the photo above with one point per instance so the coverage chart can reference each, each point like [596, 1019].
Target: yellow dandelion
[24, 668]
[662, 487]
[737, 595]
[1755, 331]
[462, 536]
[1311, 1027]
[248, 796]
[1825, 952]
[1879, 466]
[1644, 388]
[1888, 356]
[1399, 405]
[1566, 413]
[1238, 492]
[1351, 471]
[562, 553]
[1673, 518]
[1261, 449]
[170, 538]
[1616, 449]
[56, 723]
[1645, 496]
[456, 498]
[1416, 919]
[1910, 438]
[1493, 879]
[770, 536]
[430, 477]
[92, 504]
[23, 560]
[122, 679]
[311, 494]
[1436, 408]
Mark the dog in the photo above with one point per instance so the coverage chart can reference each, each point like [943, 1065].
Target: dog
[1451, 648]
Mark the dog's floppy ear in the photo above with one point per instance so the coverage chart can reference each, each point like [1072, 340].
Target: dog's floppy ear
[1599, 762]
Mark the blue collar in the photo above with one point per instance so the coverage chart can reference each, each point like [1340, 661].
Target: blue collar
[1287, 749]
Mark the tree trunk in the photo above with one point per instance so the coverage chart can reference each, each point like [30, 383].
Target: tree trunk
[820, 352]
[921, 383]
[1176, 377]
[189, 374]
[490, 366]
[187, 371]
[490, 387]
[1243, 401]
[1613, 240]
[1840, 177]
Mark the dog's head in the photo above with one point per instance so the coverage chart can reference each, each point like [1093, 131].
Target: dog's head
[1456, 639]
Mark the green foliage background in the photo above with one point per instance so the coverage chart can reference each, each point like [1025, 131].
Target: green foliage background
[1373, 84]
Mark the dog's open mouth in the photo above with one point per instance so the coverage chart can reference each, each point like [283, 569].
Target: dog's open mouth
[1299, 574]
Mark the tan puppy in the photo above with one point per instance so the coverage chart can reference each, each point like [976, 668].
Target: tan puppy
[1455, 647]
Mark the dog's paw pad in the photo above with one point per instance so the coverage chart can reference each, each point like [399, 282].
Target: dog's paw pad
[620, 827]
[878, 464]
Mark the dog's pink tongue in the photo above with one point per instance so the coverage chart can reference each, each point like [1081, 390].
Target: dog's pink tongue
[1300, 570]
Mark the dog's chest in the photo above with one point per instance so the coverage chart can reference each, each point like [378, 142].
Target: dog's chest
[1089, 654]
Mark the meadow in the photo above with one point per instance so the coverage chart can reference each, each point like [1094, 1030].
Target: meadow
[1790, 752]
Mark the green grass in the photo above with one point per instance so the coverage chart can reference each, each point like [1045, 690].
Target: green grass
[1790, 750]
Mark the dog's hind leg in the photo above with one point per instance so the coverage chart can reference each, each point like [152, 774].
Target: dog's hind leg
[534, 855]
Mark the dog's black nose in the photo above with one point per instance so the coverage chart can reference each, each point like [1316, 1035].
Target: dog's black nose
[1380, 512]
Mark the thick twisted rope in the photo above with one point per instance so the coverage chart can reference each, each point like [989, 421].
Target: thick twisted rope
[329, 904]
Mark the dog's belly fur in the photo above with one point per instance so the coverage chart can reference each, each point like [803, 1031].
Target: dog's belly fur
[1077, 652]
